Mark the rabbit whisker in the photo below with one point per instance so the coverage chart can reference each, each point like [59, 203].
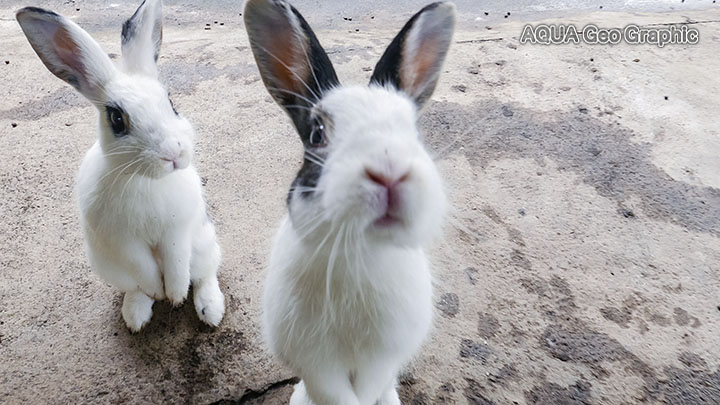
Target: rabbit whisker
[289, 69]
[312, 70]
[130, 179]
[313, 160]
[329, 270]
[121, 167]
[312, 103]
[315, 155]
[121, 172]
[301, 107]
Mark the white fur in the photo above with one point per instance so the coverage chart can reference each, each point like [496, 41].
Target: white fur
[141, 204]
[347, 303]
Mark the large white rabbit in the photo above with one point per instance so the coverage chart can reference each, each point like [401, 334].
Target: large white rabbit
[348, 295]
[141, 203]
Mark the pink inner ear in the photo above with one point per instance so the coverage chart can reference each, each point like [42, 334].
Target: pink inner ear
[287, 68]
[68, 50]
[424, 61]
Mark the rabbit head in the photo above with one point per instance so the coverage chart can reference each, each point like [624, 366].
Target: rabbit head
[139, 126]
[365, 167]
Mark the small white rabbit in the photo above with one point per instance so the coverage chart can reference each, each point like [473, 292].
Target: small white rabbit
[141, 203]
[348, 295]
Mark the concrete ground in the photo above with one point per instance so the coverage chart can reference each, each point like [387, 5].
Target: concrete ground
[579, 265]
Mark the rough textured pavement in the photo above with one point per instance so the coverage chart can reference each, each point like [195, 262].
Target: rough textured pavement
[579, 266]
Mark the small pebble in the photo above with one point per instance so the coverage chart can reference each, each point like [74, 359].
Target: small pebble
[68, 124]
[600, 7]
[77, 9]
[207, 25]
[216, 22]
[486, 13]
[357, 30]
[14, 124]
[460, 87]
[592, 60]
[627, 213]
[7, 62]
[666, 97]
[207, 28]
[636, 60]
[222, 23]
[506, 16]
[521, 211]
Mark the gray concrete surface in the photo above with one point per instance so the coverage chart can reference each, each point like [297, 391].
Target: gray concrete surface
[579, 266]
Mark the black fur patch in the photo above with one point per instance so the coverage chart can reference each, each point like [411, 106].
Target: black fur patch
[307, 177]
[128, 28]
[326, 80]
[387, 70]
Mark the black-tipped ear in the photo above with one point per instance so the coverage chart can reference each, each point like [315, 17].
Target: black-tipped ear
[292, 63]
[67, 51]
[142, 37]
[414, 58]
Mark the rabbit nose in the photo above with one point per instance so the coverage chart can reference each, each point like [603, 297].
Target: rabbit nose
[385, 180]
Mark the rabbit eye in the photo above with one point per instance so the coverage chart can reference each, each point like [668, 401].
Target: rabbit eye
[117, 120]
[317, 136]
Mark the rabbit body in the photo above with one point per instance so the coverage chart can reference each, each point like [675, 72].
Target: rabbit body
[159, 226]
[348, 294]
[140, 200]
[354, 341]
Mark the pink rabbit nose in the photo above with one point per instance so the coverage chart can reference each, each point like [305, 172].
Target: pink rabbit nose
[385, 180]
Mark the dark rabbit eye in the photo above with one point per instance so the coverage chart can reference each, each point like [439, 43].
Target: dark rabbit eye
[116, 117]
[317, 136]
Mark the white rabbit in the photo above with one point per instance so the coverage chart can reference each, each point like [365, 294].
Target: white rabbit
[348, 295]
[141, 203]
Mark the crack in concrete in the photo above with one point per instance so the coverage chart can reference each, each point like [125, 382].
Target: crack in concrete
[251, 394]
[477, 41]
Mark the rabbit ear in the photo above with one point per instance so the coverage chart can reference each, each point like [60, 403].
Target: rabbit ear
[413, 60]
[142, 37]
[292, 63]
[67, 51]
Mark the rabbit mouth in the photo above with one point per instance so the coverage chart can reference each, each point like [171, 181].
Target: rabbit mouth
[386, 221]
[170, 163]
